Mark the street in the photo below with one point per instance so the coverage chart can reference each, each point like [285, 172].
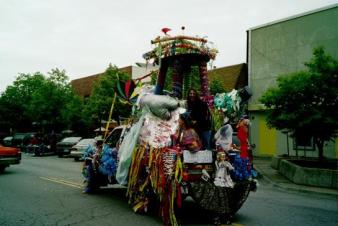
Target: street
[48, 191]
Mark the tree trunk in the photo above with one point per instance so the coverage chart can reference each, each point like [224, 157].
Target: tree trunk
[320, 146]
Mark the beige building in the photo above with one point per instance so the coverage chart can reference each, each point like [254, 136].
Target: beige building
[282, 47]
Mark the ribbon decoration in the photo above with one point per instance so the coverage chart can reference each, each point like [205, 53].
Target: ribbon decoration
[161, 169]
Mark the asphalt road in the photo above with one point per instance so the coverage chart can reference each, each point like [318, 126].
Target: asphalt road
[48, 191]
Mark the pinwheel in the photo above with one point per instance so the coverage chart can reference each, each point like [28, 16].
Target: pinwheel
[127, 91]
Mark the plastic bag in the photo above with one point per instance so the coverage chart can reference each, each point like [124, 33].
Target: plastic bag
[126, 150]
[159, 105]
[157, 132]
[223, 138]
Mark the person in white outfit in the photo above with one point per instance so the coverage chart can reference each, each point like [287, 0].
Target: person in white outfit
[223, 138]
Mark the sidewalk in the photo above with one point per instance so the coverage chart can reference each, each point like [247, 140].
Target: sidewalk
[270, 175]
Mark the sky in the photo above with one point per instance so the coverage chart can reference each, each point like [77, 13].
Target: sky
[84, 36]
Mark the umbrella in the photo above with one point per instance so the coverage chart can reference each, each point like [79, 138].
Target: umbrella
[67, 131]
[100, 129]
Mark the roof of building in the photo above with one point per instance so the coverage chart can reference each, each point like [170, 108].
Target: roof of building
[232, 77]
[295, 16]
[84, 86]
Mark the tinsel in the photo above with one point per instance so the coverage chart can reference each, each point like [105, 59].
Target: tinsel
[179, 45]
[160, 169]
[108, 162]
[204, 78]
[242, 168]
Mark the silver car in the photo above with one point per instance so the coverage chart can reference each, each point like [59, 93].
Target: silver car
[78, 149]
[63, 147]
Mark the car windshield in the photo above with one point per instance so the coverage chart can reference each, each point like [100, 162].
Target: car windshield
[19, 136]
[86, 141]
[71, 139]
[114, 137]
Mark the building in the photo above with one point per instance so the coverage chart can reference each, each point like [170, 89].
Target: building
[232, 77]
[282, 47]
[84, 86]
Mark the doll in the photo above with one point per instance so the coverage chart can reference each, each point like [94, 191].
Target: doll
[223, 168]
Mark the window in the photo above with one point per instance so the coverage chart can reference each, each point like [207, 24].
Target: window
[303, 142]
[114, 137]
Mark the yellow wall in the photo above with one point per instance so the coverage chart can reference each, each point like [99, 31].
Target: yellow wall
[267, 139]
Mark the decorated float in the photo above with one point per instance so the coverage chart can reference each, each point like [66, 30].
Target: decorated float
[158, 171]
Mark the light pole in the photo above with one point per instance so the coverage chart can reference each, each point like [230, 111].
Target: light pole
[286, 132]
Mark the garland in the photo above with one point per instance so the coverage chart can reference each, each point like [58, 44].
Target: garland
[159, 169]
[172, 46]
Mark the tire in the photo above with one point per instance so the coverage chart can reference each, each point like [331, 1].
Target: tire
[2, 169]
[76, 159]
[60, 155]
[37, 153]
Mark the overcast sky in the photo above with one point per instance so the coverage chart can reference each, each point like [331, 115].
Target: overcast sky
[84, 36]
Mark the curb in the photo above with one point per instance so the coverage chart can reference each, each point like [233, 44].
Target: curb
[299, 189]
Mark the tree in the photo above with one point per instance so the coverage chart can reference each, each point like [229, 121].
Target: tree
[191, 80]
[305, 102]
[216, 86]
[99, 104]
[47, 101]
[15, 101]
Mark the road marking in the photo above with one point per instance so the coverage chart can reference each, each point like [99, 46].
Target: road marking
[232, 224]
[64, 182]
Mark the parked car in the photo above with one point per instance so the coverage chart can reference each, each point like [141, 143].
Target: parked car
[42, 149]
[21, 140]
[78, 149]
[7, 141]
[45, 145]
[63, 147]
[9, 156]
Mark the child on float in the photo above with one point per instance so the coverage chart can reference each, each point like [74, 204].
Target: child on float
[186, 137]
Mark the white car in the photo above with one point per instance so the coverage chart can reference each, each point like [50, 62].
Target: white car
[78, 149]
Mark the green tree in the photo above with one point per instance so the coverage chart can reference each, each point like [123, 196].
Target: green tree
[305, 102]
[216, 86]
[99, 103]
[16, 99]
[191, 80]
[47, 101]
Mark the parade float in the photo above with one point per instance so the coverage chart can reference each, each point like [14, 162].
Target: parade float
[158, 172]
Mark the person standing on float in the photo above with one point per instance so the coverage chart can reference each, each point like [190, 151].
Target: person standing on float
[242, 134]
[201, 116]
